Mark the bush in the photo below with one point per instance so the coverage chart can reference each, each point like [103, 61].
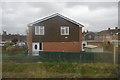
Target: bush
[15, 48]
[7, 46]
[107, 46]
[10, 46]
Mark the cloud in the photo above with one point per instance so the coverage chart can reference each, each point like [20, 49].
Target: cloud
[97, 19]
[16, 15]
[93, 5]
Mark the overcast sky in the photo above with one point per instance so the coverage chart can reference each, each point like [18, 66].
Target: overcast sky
[95, 16]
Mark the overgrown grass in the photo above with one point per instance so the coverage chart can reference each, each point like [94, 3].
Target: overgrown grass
[12, 69]
[13, 54]
[51, 70]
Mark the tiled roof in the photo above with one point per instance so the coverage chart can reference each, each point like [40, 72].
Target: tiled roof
[10, 37]
[111, 31]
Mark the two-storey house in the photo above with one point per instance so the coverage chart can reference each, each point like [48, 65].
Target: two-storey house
[55, 33]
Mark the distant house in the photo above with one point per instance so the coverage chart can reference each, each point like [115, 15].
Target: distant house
[9, 37]
[88, 35]
[55, 33]
[88, 39]
[108, 35]
[94, 42]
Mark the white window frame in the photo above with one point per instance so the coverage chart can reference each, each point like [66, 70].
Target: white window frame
[64, 28]
[113, 36]
[39, 28]
[33, 45]
[38, 43]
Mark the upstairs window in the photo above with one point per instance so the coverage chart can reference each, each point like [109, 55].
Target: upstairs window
[113, 36]
[39, 30]
[64, 30]
[107, 36]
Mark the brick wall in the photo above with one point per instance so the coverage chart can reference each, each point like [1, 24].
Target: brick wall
[57, 46]
[62, 46]
[29, 39]
[80, 37]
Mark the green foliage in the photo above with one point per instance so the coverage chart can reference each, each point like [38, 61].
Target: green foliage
[10, 47]
[15, 40]
[16, 54]
[7, 46]
[119, 46]
[107, 46]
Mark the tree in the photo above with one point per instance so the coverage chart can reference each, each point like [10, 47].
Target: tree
[15, 40]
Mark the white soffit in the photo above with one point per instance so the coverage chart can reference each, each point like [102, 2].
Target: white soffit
[57, 14]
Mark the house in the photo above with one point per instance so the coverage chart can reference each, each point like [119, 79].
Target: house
[93, 48]
[9, 37]
[54, 33]
[88, 39]
[94, 42]
[108, 35]
[88, 35]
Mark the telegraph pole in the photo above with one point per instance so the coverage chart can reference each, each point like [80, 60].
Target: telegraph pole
[114, 54]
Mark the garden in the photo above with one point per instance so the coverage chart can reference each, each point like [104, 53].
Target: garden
[16, 63]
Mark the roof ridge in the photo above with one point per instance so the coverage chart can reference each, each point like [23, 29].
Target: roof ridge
[53, 15]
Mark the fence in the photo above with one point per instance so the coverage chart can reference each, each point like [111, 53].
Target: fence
[82, 57]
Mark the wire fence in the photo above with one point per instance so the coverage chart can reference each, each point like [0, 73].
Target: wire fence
[81, 57]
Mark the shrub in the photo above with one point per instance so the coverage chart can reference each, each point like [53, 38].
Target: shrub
[107, 46]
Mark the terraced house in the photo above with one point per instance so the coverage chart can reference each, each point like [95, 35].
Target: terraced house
[108, 35]
[54, 33]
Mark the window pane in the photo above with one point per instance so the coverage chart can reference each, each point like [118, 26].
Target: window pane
[62, 31]
[35, 46]
[40, 46]
[36, 29]
[67, 30]
[41, 30]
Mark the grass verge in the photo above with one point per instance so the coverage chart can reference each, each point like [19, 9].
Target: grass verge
[59, 70]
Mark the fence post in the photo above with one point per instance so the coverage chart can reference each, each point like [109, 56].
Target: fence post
[114, 55]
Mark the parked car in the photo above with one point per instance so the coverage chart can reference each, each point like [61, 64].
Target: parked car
[21, 44]
[2, 44]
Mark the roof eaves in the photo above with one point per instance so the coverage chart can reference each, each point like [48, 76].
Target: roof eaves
[57, 14]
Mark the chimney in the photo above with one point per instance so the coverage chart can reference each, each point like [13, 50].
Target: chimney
[87, 31]
[116, 27]
[4, 33]
[108, 28]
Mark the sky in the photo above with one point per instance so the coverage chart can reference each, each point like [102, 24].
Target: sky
[95, 16]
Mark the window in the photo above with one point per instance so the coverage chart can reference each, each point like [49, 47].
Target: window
[100, 36]
[89, 36]
[84, 45]
[41, 46]
[107, 36]
[113, 36]
[35, 46]
[39, 30]
[64, 30]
